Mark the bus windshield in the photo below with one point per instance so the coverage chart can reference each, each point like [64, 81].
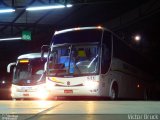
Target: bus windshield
[73, 59]
[28, 73]
[78, 36]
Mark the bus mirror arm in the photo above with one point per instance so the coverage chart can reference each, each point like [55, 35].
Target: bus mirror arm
[42, 55]
[44, 49]
[9, 66]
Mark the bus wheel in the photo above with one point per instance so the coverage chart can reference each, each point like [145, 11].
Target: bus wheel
[114, 92]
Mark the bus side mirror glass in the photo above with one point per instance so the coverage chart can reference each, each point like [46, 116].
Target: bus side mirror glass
[44, 49]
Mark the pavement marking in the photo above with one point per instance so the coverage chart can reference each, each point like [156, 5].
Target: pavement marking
[42, 112]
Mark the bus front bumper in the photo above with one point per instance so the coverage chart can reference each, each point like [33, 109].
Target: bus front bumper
[29, 95]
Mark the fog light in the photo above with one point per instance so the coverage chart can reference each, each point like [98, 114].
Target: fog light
[42, 94]
[50, 85]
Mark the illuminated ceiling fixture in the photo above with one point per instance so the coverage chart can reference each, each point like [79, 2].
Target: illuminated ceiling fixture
[137, 38]
[69, 5]
[7, 39]
[48, 7]
[7, 10]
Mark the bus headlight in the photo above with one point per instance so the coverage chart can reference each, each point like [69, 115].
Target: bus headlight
[91, 84]
[42, 92]
[50, 85]
[13, 89]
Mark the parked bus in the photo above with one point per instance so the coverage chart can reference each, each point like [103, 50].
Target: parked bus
[27, 73]
[93, 61]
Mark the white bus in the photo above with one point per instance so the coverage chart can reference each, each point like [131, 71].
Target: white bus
[27, 73]
[93, 61]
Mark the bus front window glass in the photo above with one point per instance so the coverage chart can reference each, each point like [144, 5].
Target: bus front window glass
[22, 72]
[37, 70]
[80, 36]
[73, 60]
[58, 58]
[85, 59]
[31, 71]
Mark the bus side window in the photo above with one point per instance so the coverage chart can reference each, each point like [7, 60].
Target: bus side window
[106, 52]
[15, 75]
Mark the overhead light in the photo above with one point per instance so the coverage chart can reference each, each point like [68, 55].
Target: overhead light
[7, 39]
[3, 81]
[137, 38]
[48, 7]
[69, 5]
[7, 10]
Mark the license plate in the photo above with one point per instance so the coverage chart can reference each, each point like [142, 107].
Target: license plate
[68, 91]
[26, 94]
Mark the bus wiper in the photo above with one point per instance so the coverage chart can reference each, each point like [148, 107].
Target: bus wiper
[79, 71]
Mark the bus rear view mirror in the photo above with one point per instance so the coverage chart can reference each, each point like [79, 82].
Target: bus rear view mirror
[10, 66]
[44, 49]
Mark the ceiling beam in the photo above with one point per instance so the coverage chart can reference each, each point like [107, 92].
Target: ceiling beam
[17, 17]
[142, 12]
[3, 3]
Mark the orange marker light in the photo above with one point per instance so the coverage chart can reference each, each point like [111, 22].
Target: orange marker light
[99, 27]
[24, 61]
[77, 28]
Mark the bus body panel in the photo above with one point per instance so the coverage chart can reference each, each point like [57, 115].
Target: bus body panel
[27, 82]
[114, 68]
[75, 86]
[26, 91]
[129, 79]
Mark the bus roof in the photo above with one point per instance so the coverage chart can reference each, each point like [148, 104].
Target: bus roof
[79, 28]
[31, 55]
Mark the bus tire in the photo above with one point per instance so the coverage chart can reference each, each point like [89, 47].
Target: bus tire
[114, 92]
